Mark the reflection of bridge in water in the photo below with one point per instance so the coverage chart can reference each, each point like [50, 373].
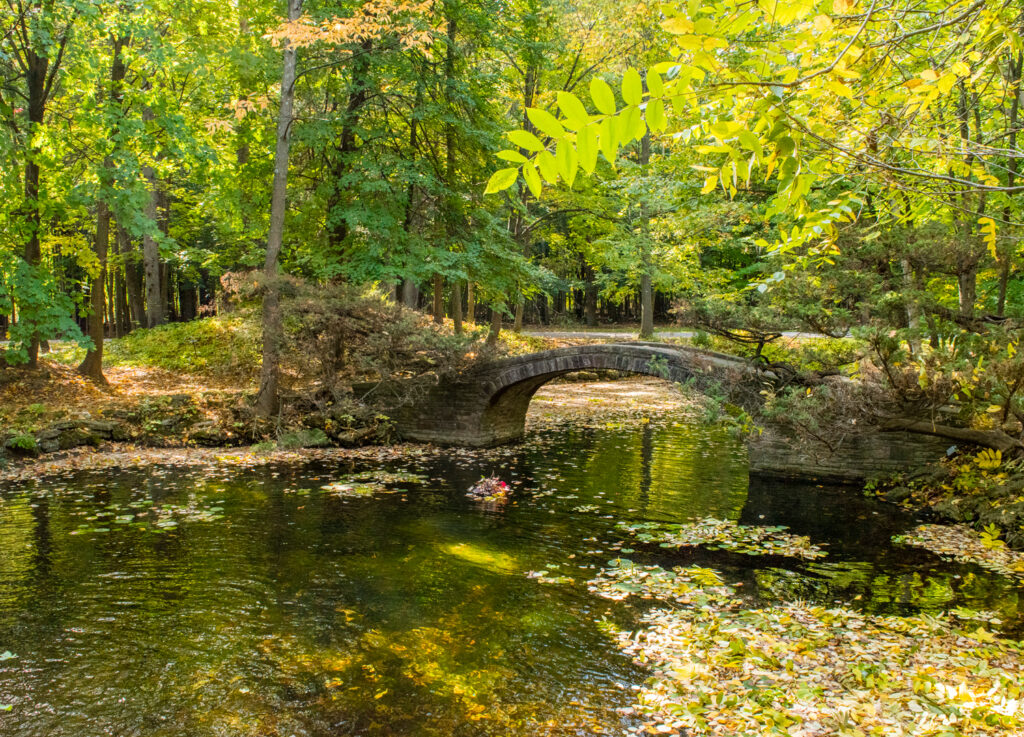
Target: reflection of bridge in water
[486, 405]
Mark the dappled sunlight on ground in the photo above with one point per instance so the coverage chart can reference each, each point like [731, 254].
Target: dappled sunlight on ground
[595, 403]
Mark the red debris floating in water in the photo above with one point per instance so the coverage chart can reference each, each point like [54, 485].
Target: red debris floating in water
[489, 489]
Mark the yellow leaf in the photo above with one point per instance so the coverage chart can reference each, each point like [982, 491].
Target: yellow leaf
[839, 88]
[678, 26]
[961, 69]
[988, 232]
[929, 75]
[843, 6]
[709, 184]
[822, 24]
[946, 82]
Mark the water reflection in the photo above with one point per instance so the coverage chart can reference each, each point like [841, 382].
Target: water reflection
[291, 611]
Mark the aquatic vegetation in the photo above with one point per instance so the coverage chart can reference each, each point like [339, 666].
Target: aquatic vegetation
[718, 534]
[688, 586]
[797, 669]
[146, 515]
[368, 483]
[964, 544]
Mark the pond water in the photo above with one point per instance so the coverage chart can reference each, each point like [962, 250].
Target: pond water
[220, 601]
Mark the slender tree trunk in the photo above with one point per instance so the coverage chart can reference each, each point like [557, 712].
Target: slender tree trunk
[267, 401]
[151, 249]
[1016, 67]
[133, 279]
[913, 313]
[457, 305]
[122, 313]
[590, 301]
[410, 293]
[471, 302]
[646, 287]
[495, 329]
[359, 93]
[452, 215]
[438, 299]
[92, 364]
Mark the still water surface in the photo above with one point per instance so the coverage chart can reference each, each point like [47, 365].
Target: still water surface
[265, 606]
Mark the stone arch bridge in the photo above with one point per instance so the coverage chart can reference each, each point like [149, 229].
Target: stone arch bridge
[486, 405]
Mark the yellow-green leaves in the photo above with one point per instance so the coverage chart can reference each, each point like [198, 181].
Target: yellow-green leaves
[678, 25]
[608, 141]
[632, 87]
[575, 114]
[654, 84]
[502, 180]
[514, 156]
[546, 122]
[988, 233]
[532, 179]
[567, 161]
[547, 166]
[525, 139]
[603, 96]
[586, 145]
[655, 115]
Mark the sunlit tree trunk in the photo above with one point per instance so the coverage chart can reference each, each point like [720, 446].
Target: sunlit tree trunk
[495, 329]
[267, 400]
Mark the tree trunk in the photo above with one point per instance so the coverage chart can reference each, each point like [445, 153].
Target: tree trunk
[471, 302]
[646, 287]
[910, 297]
[151, 249]
[590, 304]
[1016, 68]
[188, 299]
[359, 93]
[495, 329]
[995, 439]
[92, 364]
[438, 299]
[410, 294]
[967, 286]
[133, 279]
[122, 313]
[36, 73]
[267, 401]
[457, 305]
